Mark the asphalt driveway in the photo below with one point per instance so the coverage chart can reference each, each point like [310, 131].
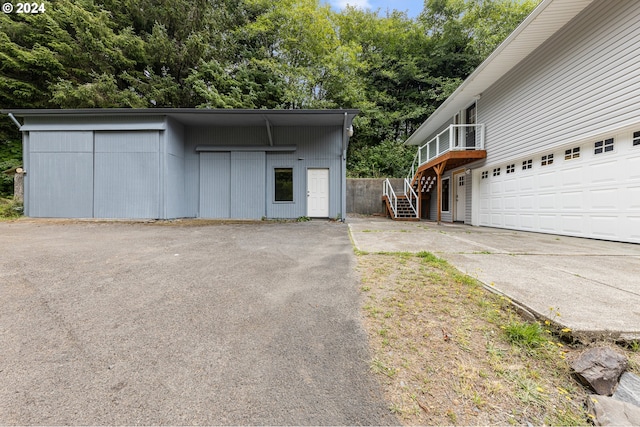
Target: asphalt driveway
[590, 286]
[116, 323]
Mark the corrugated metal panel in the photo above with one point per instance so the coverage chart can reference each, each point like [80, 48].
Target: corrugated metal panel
[215, 185]
[90, 123]
[247, 185]
[61, 142]
[60, 184]
[127, 175]
[174, 170]
[236, 135]
[582, 83]
[317, 147]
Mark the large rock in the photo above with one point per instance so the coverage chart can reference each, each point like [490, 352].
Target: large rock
[611, 412]
[600, 368]
[628, 389]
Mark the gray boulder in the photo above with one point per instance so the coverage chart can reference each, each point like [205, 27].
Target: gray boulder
[628, 389]
[600, 368]
[608, 411]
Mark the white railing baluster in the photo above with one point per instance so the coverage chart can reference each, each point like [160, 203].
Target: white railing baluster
[453, 131]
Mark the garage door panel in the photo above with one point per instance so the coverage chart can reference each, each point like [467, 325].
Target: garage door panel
[547, 180]
[604, 226]
[633, 198]
[547, 201]
[604, 199]
[547, 223]
[572, 224]
[572, 200]
[604, 172]
[61, 185]
[572, 176]
[215, 185]
[526, 183]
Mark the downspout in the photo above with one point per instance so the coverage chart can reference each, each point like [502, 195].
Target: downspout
[13, 118]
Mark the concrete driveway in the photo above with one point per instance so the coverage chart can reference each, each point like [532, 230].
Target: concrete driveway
[590, 286]
[116, 323]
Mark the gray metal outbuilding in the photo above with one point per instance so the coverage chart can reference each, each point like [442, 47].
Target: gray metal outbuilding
[185, 163]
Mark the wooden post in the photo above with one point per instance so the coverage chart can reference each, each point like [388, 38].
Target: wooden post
[439, 169]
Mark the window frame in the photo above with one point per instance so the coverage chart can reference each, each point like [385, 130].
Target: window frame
[446, 196]
[275, 184]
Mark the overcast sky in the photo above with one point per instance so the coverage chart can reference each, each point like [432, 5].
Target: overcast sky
[412, 7]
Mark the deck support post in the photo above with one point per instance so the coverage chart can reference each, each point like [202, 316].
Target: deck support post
[439, 169]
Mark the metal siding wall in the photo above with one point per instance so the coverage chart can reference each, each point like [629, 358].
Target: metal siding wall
[175, 173]
[583, 82]
[127, 175]
[294, 209]
[317, 147]
[247, 185]
[60, 174]
[91, 123]
[215, 185]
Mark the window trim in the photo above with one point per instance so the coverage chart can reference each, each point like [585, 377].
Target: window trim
[293, 185]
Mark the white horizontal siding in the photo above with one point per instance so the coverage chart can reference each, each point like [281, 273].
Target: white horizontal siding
[582, 82]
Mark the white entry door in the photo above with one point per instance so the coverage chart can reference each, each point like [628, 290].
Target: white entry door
[461, 197]
[318, 193]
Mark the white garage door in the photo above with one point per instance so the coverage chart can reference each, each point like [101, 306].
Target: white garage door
[580, 193]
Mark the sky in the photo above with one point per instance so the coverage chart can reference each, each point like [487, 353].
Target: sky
[412, 7]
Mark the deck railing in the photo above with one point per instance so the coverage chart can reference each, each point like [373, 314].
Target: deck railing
[387, 190]
[412, 197]
[453, 138]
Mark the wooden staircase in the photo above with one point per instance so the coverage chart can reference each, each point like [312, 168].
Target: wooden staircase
[400, 207]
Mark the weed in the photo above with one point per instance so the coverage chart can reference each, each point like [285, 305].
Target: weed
[9, 209]
[378, 367]
[525, 334]
[303, 219]
[365, 288]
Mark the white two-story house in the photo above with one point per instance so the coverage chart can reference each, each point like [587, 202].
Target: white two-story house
[544, 135]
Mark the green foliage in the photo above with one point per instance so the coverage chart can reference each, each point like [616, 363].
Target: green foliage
[525, 334]
[9, 209]
[10, 157]
[253, 54]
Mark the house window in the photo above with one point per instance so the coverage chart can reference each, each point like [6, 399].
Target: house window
[445, 195]
[485, 174]
[547, 160]
[496, 172]
[603, 146]
[636, 138]
[527, 164]
[572, 153]
[511, 168]
[283, 184]
[460, 180]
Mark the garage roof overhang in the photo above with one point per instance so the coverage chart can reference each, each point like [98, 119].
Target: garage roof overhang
[545, 20]
[194, 116]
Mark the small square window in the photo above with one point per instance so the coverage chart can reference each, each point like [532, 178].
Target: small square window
[511, 168]
[283, 184]
[461, 181]
[527, 164]
[485, 174]
[496, 172]
[636, 138]
[547, 160]
[603, 146]
[572, 153]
